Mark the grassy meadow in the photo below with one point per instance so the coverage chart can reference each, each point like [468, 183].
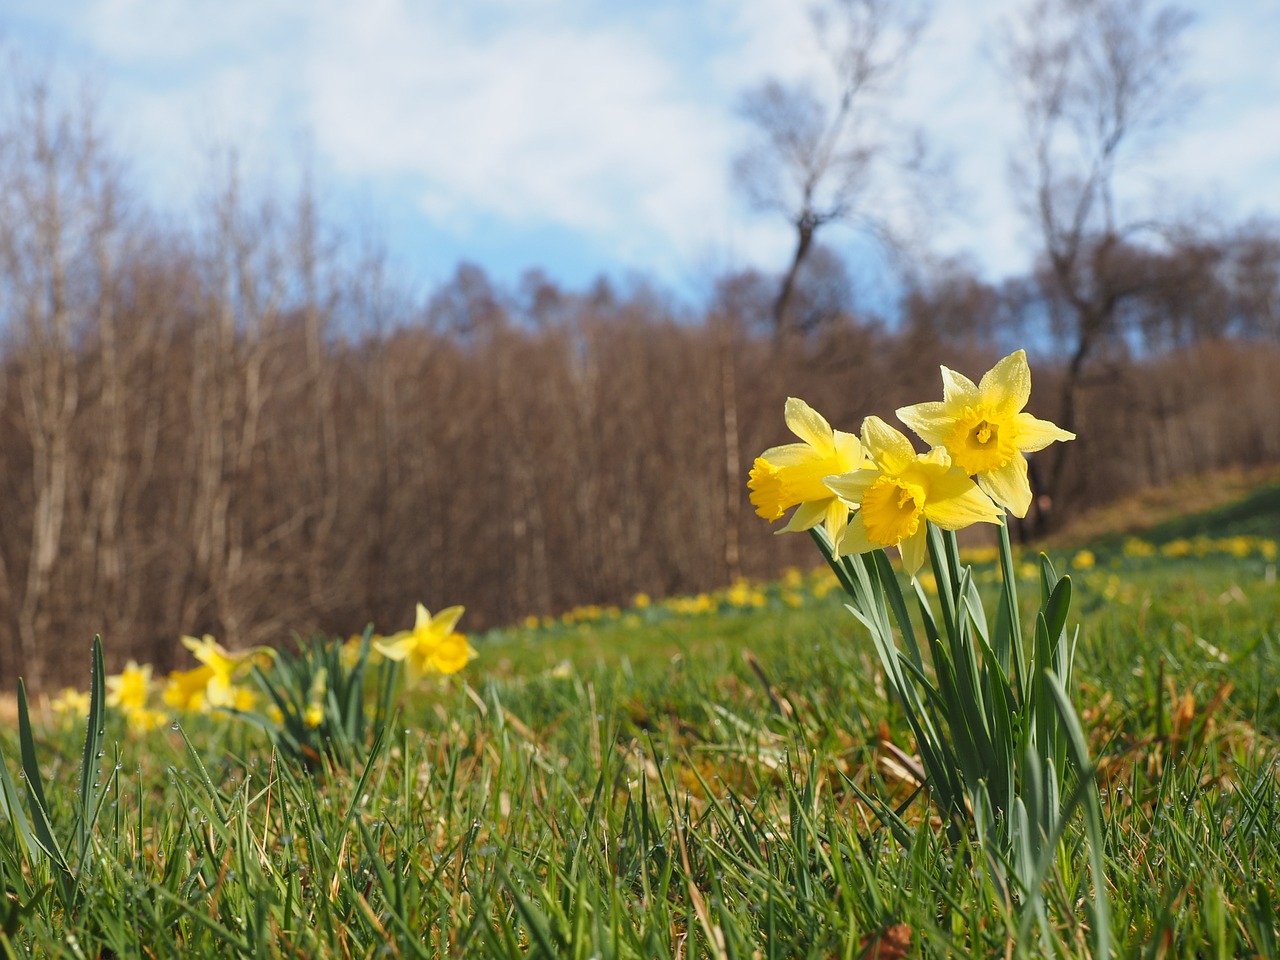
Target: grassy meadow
[688, 778]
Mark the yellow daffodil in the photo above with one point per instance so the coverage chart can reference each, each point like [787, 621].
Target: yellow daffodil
[243, 699]
[184, 689]
[791, 475]
[350, 650]
[985, 431]
[313, 714]
[432, 646]
[220, 688]
[144, 719]
[904, 491]
[71, 704]
[128, 689]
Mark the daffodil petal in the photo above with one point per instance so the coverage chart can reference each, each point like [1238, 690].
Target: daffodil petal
[889, 448]
[937, 459]
[960, 510]
[945, 484]
[423, 618]
[855, 539]
[914, 549]
[452, 654]
[1036, 434]
[929, 420]
[396, 647]
[1009, 486]
[836, 519]
[851, 486]
[790, 454]
[807, 424]
[849, 449]
[447, 619]
[958, 390]
[1006, 387]
[808, 514]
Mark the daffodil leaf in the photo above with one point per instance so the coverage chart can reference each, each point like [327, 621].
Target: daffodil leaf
[90, 767]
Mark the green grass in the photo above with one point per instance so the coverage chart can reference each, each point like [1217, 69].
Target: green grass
[659, 784]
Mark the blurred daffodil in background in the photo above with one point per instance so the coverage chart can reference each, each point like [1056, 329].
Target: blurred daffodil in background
[432, 646]
[129, 689]
[225, 668]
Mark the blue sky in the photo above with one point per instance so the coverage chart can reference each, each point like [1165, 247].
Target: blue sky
[587, 138]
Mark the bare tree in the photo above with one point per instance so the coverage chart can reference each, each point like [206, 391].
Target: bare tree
[58, 200]
[1255, 279]
[1097, 80]
[816, 155]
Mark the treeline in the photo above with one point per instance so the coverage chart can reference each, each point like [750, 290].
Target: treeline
[242, 426]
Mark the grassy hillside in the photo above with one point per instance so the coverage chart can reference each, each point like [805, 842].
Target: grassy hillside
[687, 778]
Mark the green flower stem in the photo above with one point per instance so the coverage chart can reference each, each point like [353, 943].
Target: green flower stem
[999, 741]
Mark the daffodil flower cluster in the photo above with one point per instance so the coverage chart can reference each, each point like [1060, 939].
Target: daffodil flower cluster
[997, 737]
[878, 491]
[221, 680]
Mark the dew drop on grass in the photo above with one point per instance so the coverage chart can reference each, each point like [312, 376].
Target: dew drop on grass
[175, 725]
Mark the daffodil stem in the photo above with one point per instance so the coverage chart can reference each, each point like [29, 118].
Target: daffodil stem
[837, 566]
[1010, 600]
[945, 576]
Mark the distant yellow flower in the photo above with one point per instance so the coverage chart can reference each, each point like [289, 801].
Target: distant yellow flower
[313, 713]
[144, 719]
[128, 690]
[349, 653]
[904, 491]
[71, 704]
[1133, 547]
[184, 689]
[225, 665]
[562, 670]
[985, 431]
[432, 646]
[243, 699]
[791, 475]
[1238, 546]
[1084, 560]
